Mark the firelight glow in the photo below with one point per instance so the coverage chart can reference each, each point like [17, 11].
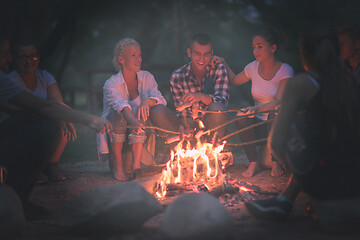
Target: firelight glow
[199, 164]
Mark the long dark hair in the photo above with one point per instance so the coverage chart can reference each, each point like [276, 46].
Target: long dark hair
[340, 99]
[272, 36]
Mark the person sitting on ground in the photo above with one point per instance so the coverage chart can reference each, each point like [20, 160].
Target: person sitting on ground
[269, 78]
[200, 86]
[131, 97]
[42, 84]
[322, 149]
[349, 41]
[25, 140]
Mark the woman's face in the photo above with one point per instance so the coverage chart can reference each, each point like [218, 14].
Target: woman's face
[27, 59]
[131, 59]
[262, 49]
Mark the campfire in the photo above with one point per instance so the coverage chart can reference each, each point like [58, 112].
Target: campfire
[197, 166]
[200, 169]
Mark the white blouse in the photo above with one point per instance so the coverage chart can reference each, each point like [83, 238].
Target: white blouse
[262, 90]
[116, 96]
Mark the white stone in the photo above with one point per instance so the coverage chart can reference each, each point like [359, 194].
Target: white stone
[196, 216]
[12, 219]
[111, 209]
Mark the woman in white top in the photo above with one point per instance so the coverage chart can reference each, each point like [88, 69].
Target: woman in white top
[131, 97]
[268, 77]
[41, 84]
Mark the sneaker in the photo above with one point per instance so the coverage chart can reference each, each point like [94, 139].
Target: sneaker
[277, 209]
[54, 174]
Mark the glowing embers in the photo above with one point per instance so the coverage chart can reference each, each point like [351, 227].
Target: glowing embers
[196, 166]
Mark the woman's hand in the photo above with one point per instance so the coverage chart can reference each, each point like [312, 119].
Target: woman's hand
[144, 110]
[247, 110]
[215, 60]
[69, 131]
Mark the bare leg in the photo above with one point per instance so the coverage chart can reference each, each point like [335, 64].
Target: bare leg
[212, 120]
[51, 170]
[55, 157]
[250, 150]
[251, 170]
[118, 169]
[137, 149]
[276, 170]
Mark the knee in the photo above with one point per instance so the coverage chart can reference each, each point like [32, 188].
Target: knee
[158, 109]
[216, 106]
[159, 112]
[241, 123]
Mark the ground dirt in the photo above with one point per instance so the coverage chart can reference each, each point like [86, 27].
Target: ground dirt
[82, 176]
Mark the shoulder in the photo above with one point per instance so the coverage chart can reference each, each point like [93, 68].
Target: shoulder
[114, 80]
[180, 73]
[301, 88]
[181, 70]
[251, 67]
[45, 75]
[253, 64]
[300, 83]
[13, 75]
[287, 69]
[145, 75]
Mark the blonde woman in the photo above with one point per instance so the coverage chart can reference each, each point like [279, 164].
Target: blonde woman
[131, 97]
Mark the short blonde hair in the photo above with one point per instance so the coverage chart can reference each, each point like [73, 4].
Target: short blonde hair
[120, 48]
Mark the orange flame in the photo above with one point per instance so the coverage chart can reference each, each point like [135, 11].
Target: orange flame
[190, 165]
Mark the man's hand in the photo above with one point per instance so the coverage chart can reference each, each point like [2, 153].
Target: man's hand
[192, 97]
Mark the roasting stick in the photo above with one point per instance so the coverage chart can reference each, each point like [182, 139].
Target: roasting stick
[246, 128]
[247, 143]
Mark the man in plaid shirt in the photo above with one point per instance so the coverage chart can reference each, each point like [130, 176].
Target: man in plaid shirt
[197, 82]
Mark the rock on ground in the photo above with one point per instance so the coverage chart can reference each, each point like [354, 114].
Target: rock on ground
[196, 216]
[110, 209]
[12, 219]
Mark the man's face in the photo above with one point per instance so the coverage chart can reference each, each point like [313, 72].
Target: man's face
[200, 55]
[5, 56]
[347, 46]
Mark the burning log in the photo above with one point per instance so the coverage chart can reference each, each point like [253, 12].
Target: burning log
[223, 189]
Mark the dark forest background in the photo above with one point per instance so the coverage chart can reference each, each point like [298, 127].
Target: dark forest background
[77, 37]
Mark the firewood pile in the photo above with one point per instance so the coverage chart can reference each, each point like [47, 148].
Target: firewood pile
[229, 191]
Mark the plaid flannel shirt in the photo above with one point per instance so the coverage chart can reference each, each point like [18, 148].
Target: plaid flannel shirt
[183, 81]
